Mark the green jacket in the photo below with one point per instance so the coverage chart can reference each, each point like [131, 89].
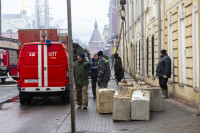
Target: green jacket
[81, 70]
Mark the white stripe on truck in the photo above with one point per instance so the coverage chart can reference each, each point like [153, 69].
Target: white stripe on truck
[43, 89]
[39, 66]
[45, 66]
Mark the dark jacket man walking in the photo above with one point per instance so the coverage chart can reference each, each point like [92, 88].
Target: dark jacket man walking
[94, 73]
[163, 71]
[103, 70]
[81, 68]
[119, 72]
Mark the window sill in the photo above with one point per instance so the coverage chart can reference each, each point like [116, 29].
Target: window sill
[196, 89]
[170, 82]
[181, 85]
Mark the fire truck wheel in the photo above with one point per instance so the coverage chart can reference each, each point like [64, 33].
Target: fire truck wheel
[22, 100]
[3, 80]
[28, 100]
[63, 99]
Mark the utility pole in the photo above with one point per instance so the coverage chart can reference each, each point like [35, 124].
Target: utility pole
[159, 27]
[0, 21]
[71, 68]
[199, 49]
[46, 14]
[142, 37]
[37, 21]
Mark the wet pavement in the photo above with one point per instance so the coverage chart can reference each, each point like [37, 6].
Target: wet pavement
[42, 116]
[50, 116]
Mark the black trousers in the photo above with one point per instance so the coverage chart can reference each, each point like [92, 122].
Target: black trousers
[94, 86]
[163, 83]
[118, 80]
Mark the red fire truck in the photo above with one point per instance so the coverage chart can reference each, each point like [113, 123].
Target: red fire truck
[8, 58]
[42, 66]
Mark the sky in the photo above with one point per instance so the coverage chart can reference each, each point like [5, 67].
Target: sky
[84, 14]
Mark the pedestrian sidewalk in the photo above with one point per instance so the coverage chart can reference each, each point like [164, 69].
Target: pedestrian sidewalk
[176, 118]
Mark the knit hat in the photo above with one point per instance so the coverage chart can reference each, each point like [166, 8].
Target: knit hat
[116, 55]
[82, 55]
[163, 51]
[100, 53]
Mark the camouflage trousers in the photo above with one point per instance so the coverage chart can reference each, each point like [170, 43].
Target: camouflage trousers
[82, 95]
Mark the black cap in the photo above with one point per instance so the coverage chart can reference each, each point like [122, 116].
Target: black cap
[163, 51]
[100, 53]
[116, 55]
[82, 55]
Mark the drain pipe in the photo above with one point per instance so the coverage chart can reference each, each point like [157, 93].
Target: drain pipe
[133, 45]
[142, 38]
[159, 27]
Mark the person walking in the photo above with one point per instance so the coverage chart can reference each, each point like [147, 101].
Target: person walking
[119, 71]
[163, 71]
[81, 68]
[103, 70]
[94, 73]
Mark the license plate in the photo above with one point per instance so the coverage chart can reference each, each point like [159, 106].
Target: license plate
[31, 80]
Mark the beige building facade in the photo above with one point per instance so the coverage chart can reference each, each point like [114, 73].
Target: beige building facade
[179, 36]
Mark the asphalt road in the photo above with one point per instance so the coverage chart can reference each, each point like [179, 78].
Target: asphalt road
[42, 116]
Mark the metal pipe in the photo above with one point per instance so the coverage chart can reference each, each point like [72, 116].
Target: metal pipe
[71, 68]
[133, 46]
[142, 38]
[0, 21]
[199, 48]
[159, 27]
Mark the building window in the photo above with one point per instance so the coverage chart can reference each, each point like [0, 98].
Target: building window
[152, 56]
[139, 57]
[147, 55]
[182, 50]
[146, 4]
[195, 38]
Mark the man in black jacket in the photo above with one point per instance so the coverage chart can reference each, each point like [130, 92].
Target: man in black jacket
[119, 71]
[103, 70]
[94, 73]
[163, 71]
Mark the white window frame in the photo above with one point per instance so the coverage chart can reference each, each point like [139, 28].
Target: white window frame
[153, 9]
[146, 4]
[170, 46]
[195, 42]
[182, 49]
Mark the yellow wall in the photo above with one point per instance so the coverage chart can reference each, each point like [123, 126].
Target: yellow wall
[185, 93]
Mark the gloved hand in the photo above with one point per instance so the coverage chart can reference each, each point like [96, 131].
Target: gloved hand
[98, 79]
[164, 76]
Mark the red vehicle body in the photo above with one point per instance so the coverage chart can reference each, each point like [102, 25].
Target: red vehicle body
[8, 58]
[42, 66]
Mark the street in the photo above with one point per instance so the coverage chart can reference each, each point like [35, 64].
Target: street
[50, 116]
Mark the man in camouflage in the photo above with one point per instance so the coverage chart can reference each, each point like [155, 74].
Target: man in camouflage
[81, 68]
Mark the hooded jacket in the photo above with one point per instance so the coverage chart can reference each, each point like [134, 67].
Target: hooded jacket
[164, 66]
[119, 72]
[104, 68]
